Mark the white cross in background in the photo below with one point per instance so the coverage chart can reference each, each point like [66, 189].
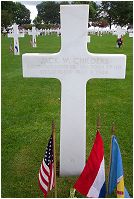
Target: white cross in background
[15, 34]
[73, 65]
[33, 33]
[120, 32]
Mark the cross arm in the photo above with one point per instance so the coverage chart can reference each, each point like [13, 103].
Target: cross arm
[41, 65]
[10, 35]
[17, 35]
[107, 66]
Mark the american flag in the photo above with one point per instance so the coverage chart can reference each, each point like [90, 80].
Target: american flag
[46, 173]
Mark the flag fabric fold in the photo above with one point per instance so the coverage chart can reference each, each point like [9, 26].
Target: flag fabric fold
[116, 175]
[16, 48]
[91, 182]
[46, 173]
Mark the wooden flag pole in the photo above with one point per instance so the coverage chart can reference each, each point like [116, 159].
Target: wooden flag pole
[112, 132]
[98, 123]
[54, 153]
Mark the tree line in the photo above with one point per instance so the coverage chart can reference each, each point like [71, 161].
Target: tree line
[14, 12]
[103, 14]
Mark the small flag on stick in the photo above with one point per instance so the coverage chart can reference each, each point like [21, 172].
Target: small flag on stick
[46, 173]
[116, 176]
[54, 155]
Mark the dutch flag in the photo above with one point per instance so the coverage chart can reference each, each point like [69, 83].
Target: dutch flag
[91, 182]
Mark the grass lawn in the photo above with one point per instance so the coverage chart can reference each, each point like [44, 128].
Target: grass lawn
[29, 105]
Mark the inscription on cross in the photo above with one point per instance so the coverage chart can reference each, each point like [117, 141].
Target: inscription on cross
[15, 34]
[73, 66]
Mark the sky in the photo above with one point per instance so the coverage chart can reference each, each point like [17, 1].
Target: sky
[33, 11]
[31, 5]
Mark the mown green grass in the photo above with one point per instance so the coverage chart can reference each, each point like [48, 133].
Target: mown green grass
[29, 105]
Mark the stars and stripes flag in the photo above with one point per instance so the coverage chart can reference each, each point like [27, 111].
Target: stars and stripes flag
[46, 173]
[91, 182]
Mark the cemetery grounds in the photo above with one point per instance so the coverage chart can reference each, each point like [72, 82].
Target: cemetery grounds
[30, 104]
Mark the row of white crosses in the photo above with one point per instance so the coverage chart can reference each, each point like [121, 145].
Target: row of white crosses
[44, 31]
[130, 32]
[15, 34]
[35, 32]
[50, 31]
[98, 30]
[73, 66]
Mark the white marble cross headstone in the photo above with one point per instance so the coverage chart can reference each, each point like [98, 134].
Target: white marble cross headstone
[58, 32]
[15, 34]
[48, 31]
[45, 32]
[73, 66]
[4, 31]
[33, 33]
[120, 32]
[130, 34]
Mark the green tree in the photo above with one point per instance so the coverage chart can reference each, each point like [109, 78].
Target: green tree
[117, 12]
[105, 11]
[122, 12]
[6, 18]
[49, 12]
[37, 21]
[21, 14]
[64, 2]
[17, 13]
[7, 13]
[7, 5]
[27, 26]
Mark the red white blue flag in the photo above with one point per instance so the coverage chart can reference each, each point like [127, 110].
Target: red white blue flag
[46, 173]
[91, 182]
